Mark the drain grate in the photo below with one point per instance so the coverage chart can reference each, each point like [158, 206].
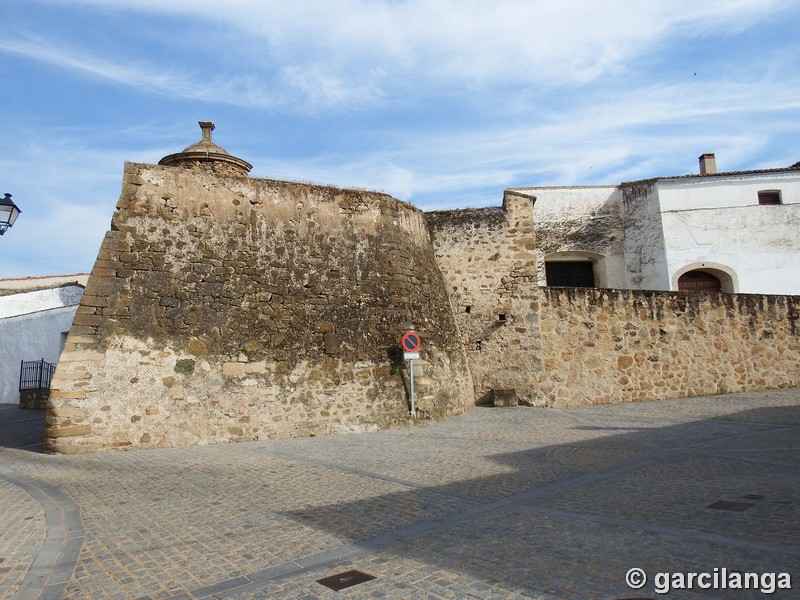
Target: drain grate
[753, 497]
[728, 505]
[345, 580]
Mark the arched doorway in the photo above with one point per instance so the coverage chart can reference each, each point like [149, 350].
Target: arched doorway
[699, 281]
[690, 278]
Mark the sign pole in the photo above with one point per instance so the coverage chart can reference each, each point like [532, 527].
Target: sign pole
[411, 343]
[411, 379]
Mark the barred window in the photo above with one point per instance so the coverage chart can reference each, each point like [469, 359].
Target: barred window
[769, 197]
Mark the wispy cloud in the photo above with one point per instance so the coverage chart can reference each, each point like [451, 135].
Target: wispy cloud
[157, 80]
[337, 52]
[619, 136]
[443, 103]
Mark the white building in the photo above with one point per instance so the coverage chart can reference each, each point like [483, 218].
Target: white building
[731, 232]
[35, 317]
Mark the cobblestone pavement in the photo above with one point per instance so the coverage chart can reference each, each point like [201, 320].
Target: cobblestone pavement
[496, 503]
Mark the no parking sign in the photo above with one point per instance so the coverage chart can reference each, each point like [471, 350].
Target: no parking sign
[411, 343]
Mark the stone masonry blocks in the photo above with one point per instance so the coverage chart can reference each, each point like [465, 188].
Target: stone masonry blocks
[228, 309]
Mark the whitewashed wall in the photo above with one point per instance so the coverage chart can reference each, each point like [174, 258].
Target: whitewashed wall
[31, 328]
[645, 257]
[719, 221]
[651, 232]
[579, 222]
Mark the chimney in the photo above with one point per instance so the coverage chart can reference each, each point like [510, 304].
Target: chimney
[708, 164]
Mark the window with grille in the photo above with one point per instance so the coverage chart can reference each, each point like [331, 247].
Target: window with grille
[769, 197]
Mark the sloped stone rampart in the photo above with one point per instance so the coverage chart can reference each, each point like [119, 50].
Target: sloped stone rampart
[228, 309]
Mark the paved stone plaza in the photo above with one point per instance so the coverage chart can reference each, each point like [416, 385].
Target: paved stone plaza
[496, 503]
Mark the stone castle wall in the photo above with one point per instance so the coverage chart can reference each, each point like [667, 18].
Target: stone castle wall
[488, 260]
[570, 346]
[602, 346]
[227, 309]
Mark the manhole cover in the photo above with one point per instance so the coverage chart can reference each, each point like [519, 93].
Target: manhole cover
[345, 580]
[728, 505]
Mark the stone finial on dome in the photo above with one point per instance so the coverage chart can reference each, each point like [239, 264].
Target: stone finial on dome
[205, 155]
[206, 127]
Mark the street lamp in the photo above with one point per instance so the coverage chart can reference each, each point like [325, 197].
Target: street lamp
[8, 213]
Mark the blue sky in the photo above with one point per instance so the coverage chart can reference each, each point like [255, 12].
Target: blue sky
[443, 103]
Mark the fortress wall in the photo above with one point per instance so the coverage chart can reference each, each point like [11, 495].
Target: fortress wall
[227, 309]
[488, 259]
[601, 346]
[571, 346]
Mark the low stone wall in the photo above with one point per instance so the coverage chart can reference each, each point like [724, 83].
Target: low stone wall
[33, 399]
[601, 346]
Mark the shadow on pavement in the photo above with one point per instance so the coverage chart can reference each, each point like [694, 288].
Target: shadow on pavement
[573, 518]
[21, 429]
[496, 503]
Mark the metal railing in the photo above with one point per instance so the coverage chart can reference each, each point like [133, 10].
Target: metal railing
[35, 375]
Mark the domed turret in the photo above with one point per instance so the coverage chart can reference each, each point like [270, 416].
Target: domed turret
[205, 155]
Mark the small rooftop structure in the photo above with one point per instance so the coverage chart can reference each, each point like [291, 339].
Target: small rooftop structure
[19, 285]
[205, 155]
